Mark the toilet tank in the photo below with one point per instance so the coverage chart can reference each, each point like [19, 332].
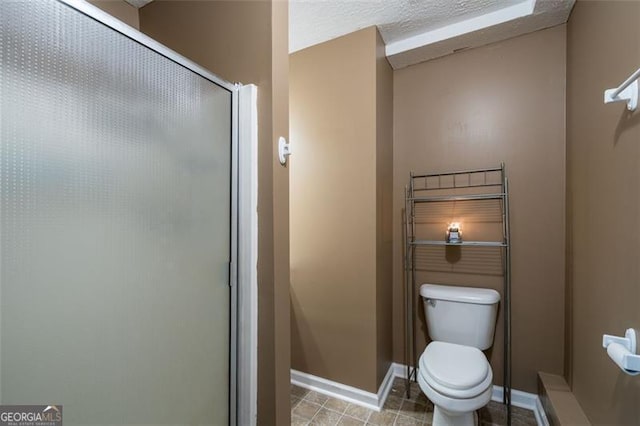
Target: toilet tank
[462, 315]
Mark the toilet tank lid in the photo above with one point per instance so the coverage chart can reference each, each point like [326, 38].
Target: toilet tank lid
[481, 296]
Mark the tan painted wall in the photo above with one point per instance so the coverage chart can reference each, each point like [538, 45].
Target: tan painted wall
[282, 304]
[341, 134]
[384, 210]
[474, 109]
[119, 9]
[603, 49]
[247, 41]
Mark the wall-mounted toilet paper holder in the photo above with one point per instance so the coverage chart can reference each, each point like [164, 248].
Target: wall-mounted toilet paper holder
[622, 350]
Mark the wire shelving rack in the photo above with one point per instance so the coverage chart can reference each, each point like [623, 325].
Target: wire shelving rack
[441, 189]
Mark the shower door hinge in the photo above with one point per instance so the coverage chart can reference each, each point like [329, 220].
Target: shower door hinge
[233, 273]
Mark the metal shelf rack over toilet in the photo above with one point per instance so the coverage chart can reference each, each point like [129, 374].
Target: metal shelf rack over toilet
[466, 186]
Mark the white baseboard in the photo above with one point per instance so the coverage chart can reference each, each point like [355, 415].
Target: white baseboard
[375, 402]
[385, 387]
[529, 401]
[541, 416]
[399, 370]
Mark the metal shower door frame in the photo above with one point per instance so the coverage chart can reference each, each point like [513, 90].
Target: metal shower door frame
[104, 18]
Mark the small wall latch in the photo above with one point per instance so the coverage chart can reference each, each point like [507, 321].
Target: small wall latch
[284, 150]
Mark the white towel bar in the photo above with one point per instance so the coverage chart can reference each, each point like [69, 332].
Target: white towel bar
[626, 92]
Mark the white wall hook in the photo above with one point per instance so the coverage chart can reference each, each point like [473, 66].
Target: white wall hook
[284, 150]
[622, 350]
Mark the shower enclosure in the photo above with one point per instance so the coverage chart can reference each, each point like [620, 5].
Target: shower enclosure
[117, 223]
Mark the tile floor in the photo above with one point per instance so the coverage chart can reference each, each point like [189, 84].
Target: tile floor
[313, 408]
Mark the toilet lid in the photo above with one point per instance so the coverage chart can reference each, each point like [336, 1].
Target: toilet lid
[455, 366]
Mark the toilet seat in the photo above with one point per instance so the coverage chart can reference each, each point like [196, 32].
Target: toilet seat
[455, 371]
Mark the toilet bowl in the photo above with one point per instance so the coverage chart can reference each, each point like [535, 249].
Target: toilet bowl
[453, 372]
[457, 379]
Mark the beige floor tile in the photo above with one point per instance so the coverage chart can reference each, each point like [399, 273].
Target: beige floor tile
[525, 416]
[415, 389]
[298, 391]
[407, 421]
[313, 408]
[523, 412]
[326, 417]
[383, 418]
[420, 398]
[294, 401]
[393, 403]
[306, 409]
[493, 413]
[523, 421]
[335, 404]
[358, 412]
[316, 397]
[496, 413]
[350, 421]
[413, 409]
[298, 421]
[398, 388]
[399, 380]
[418, 410]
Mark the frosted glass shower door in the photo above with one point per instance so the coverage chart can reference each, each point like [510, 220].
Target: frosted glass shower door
[115, 216]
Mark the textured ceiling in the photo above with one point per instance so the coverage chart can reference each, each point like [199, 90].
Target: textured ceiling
[418, 30]
[316, 21]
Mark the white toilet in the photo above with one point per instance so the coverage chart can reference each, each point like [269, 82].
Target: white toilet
[453, 372]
